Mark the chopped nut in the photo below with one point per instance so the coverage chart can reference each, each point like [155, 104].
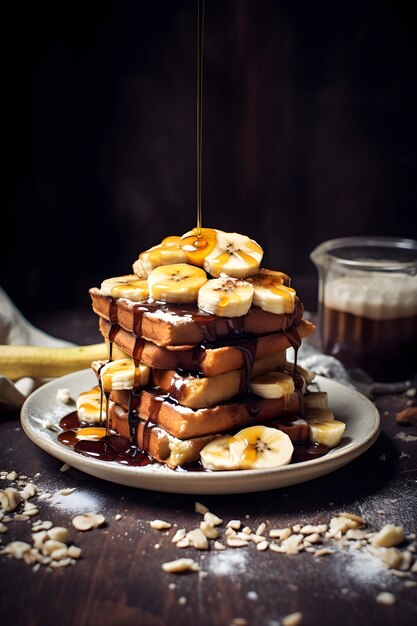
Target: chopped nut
[59, 553]
[28, 491]
[16, 549]
[9, 499]
[296, 528]
[180, 565]
[354, 517]
[198, 539]
[43, 526]
[262, 545]
[261, 529]
[212, 519]
[65, 467]
[385, 597]
[280, 533]
[30, 509]
[180, 534]
[61, 563]
[219, 546]
[51, 545]
[313, 538]
[159, 524]
[183, 543]
[309, 529]
[234, 523]
[117, 517]
[201, 508]
[11, 475]
[58, 533]
[236, 542]
[209, 530]
[88, 521]
[68, 491]
[388, 536]
[39, 538]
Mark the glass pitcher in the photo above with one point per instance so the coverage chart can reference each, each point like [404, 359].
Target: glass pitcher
[368, 306]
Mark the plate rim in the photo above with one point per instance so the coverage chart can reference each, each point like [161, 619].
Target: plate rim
[200, 482]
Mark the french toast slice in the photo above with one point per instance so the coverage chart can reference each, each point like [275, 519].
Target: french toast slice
[196, 392]
[177, 325]
[168, 449]
[207, 361]
[183, 422]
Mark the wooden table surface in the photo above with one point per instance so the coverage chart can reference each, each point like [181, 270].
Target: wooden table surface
[119, 580]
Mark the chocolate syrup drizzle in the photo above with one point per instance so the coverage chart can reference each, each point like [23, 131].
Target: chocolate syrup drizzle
[216, 333]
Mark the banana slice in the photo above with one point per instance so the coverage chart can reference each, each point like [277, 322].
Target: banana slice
[167, 252]
[251, 448]
[216, 454]
[278, 277]
[273, 385]
[323, 427]
[327, 432]
[88, 406]
[121, 374]
[226, 297]
[262, 447]
[197, 245]
[178, 283]
[270, 292]
[129, 286]
[234, 255]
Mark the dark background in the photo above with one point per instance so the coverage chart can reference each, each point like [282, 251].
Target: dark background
[309, 133]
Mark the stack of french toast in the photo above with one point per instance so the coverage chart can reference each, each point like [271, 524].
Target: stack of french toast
[198, 337]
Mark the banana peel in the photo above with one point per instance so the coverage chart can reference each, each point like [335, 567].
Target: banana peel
[40, 362]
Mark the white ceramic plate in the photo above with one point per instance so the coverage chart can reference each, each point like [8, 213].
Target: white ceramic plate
[360, 415]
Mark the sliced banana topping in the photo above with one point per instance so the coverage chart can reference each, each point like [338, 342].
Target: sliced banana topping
[234, 255]
[216, 454]
[323, 427]
[251, 448]
[225, 297]
[129, 286]
[122, 374]
[88, 406]
[167, 252]
[261, 446]
[198, 244]
[178, 283]
[273, 385]
[270, 292]
[327, 432]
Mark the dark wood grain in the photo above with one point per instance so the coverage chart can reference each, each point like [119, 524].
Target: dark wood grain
[119, 581]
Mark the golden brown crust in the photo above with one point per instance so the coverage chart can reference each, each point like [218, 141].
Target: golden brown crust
[210, 361]
[177, 326]
[165, 448]
[159, 444]
[199, 392]
[183, 422]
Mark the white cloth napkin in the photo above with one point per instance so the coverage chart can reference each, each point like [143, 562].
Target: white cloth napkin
[15, 330]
